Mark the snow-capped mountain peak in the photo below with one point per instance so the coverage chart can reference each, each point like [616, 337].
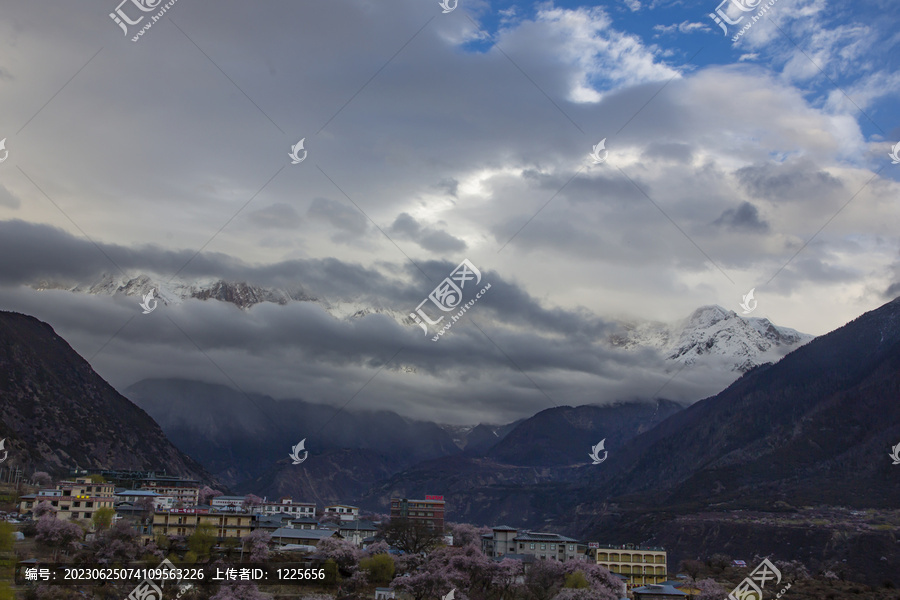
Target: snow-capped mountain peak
[713, 333]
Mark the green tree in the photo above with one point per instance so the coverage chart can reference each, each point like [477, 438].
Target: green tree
[576, 580]
[97, 478]
[380, 568]
[331, 572]
[103, 518]
[6, 560]
[202, 540]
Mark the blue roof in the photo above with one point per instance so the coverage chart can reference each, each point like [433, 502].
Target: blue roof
[655, 588]
[305, 534]
[136, 493]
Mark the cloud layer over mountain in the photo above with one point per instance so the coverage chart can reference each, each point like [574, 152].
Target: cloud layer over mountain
[433, 138]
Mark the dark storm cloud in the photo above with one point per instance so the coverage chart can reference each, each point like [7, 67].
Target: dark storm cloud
[348, 220]
[449, 186]
[438, 241]
[276, 216]
[743, 218]
[789, 182]
[155, 138]
[671, 151]
[893, 289]
[30, 253]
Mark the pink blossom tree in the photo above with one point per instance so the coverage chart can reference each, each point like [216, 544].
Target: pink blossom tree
[41, 478]
[44, 508]
[357, 582]
[544, 579]
[602, 583]
[709, 590]
[431, 583]
[506, 578]
[465, 534]
[251, 501]
[58, 535]
[341, 551]
[239, 591]
[575, 594]
[377, 548]
[120, 544]
[207, 494]
[469, 570]
[258, 544]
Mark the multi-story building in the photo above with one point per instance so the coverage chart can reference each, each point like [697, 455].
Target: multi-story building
[642, 565]
[429, 511]
[133, 497]
[286, 536]
[344, 511]
[503, 541]
[78, 499]
[184, 521]
[232, 503]
[356, 531]
[27, 502]
[286, 505]
[184, 491]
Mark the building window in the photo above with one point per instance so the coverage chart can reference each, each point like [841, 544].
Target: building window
[553, 546]
[532, 546]
[543, 546]
[571, 547]
[76, 504]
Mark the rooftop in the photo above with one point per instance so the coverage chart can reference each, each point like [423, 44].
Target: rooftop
[631, 547]
[357, 525]
[528, 536]
[305, 534]
[662, 590]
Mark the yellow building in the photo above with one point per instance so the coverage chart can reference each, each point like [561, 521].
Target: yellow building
[183, 521]
[77, 499]
[642, 565]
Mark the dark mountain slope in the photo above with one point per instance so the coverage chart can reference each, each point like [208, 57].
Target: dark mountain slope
[819, 423]
[510, 483]
[565, 435]
[58, 414]
[245, 439]
[764, 466]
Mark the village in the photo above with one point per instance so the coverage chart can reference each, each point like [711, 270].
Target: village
[226, 547]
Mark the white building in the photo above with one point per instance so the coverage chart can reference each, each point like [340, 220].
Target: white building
[287, 506]
[227, 502]
[356, 531]
[344, 511]
[132, 497]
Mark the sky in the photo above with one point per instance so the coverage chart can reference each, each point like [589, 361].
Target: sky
[752, 155]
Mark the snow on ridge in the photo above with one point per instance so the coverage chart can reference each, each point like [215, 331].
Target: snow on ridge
[713, 333]
[709, 334]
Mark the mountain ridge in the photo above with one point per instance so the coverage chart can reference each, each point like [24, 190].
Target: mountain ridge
[59, 414]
